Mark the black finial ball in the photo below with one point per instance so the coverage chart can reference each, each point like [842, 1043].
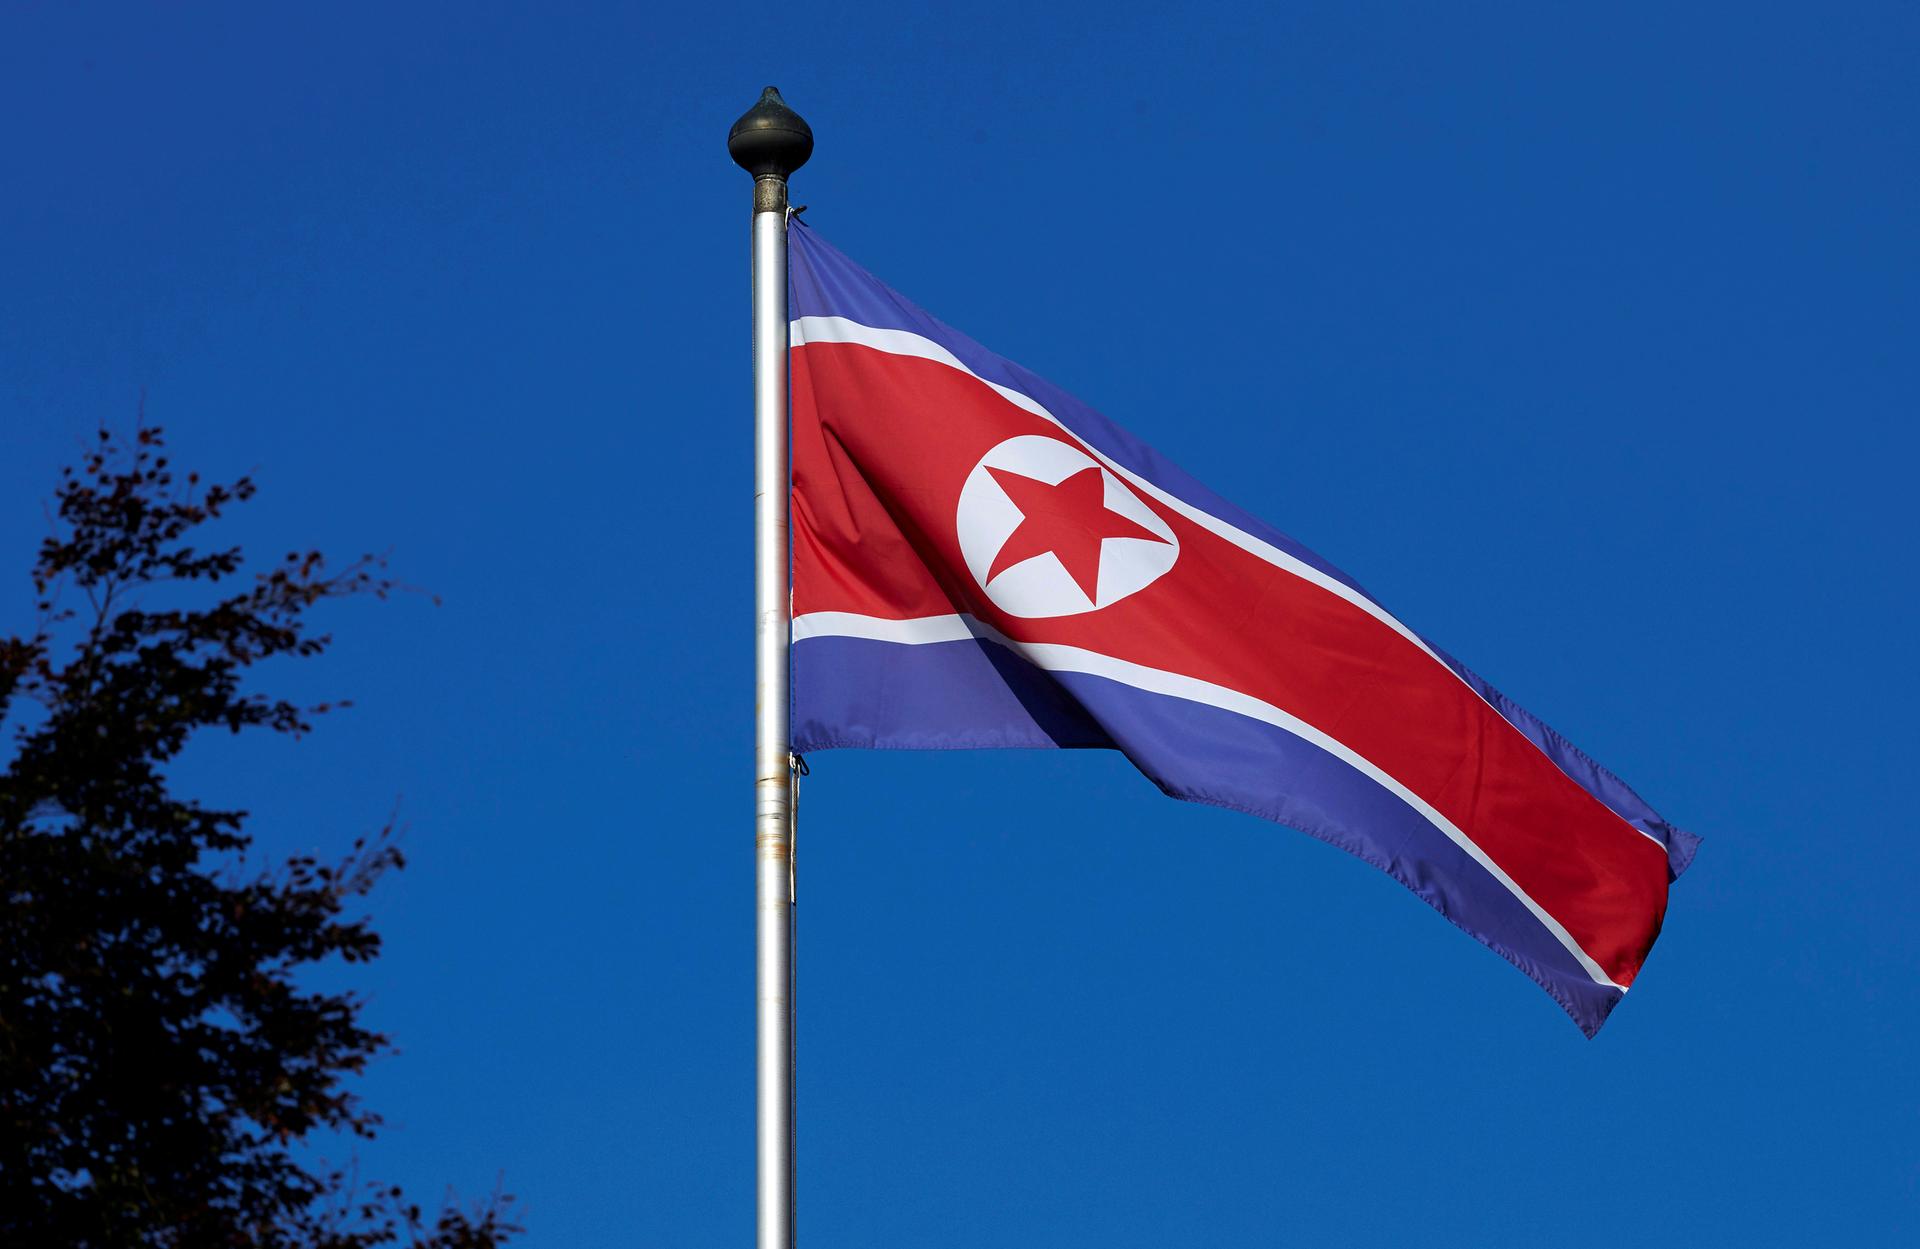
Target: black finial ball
[770, 138]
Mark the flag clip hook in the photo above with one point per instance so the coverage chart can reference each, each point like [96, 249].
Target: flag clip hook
[797, 765]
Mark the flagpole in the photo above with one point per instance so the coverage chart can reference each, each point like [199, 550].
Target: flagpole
[771, 141]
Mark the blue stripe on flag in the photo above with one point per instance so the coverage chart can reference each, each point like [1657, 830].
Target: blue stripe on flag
[970, 693]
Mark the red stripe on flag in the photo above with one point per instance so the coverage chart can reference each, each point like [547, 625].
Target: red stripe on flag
[882, 446]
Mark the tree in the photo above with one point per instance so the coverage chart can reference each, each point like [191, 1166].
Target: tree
[160, 1058]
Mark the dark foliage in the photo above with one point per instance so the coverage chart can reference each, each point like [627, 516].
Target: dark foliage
[160, 1060]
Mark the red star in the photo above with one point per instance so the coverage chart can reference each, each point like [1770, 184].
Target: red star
[1071, 520]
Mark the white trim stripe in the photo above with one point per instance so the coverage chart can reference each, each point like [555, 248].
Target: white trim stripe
[804, 330]
[1051, 657]
[917, 631]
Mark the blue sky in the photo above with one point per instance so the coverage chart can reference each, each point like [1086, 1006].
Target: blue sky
[1584, 339]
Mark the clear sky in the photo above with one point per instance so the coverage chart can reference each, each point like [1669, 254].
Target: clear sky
[1584, 339]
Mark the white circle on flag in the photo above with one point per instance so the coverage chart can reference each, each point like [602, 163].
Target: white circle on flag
[1137, 549]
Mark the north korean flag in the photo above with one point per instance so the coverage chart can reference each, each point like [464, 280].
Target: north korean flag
[980, 560]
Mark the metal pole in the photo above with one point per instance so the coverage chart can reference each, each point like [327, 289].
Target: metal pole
[770, 142]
